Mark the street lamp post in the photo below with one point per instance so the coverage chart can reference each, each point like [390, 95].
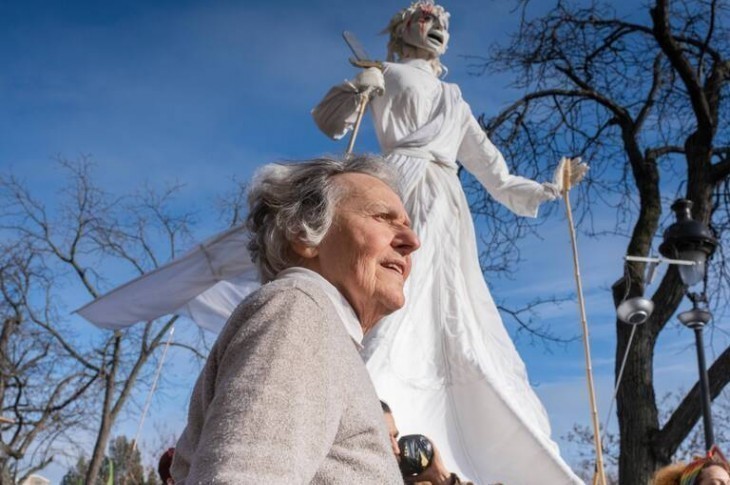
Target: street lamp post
[696, 319]
[691, 240]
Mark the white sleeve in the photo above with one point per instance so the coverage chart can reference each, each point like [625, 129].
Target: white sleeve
[335, 115]
[482, 159]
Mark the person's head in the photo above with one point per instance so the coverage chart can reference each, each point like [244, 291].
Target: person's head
[163, 467]
[340, 218]
[420, 31]
[711, 469]
[713, 475]
[393, 432]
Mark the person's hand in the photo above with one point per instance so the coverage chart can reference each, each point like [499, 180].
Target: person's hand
[569, 173]
[435, 474]
[370, 78]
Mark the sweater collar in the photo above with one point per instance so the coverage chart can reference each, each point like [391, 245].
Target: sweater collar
[342, 306]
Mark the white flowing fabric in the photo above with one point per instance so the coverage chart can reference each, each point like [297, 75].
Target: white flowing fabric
[445, 362]
[205, 284]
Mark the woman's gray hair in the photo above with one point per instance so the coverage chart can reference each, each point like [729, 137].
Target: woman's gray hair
[296, 202]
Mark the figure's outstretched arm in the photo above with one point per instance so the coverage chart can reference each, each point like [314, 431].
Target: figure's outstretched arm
[335, 115]
[521, 195]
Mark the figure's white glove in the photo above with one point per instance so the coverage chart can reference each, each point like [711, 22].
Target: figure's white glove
[372, 77]
[554, 190]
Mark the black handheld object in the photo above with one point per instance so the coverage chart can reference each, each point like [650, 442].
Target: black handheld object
[416, 454]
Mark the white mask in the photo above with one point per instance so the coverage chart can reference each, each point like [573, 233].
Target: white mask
[427, 29]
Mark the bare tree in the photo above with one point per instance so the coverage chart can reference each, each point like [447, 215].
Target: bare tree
[70, 242]
[41, 386]
[581, 437]
[643, 95]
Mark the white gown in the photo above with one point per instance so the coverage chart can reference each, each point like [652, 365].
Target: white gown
[445, 362]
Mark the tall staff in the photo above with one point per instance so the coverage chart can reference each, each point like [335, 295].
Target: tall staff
[363, 61]
[362, 104]
[565, 171]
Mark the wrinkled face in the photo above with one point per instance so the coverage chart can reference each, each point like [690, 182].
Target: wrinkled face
[714, 475]
[427, 30]
[366, 252]
[393, 434]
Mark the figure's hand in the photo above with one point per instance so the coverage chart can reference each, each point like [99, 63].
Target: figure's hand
[550, 191]
[435, 474]
[370, 78]
[569, 173]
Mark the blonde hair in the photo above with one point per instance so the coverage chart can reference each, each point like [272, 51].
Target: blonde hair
[669, 475]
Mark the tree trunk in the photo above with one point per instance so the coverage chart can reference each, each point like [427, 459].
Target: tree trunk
[107, 419]
[636, 407]
[5, 475]
[97, 457]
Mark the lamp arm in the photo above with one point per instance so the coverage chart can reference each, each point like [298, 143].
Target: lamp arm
[659, 259]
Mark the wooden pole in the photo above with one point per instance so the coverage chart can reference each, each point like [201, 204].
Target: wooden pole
[361, 106]
[600, 476]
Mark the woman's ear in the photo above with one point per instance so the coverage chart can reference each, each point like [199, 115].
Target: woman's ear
[303, 250]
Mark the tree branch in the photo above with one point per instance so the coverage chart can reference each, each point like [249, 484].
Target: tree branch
[668, 44]
[689, 411]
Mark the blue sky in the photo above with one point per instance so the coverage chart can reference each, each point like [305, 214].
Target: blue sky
[189, 85]
[197, 92]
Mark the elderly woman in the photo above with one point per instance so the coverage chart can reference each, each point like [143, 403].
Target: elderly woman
[712, 469]
[284, 396]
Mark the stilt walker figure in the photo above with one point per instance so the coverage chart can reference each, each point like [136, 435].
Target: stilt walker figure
[445, 362]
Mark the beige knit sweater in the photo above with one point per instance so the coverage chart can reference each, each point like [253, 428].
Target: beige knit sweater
[284, 398]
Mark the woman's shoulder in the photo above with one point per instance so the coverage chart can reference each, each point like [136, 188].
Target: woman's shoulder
[278, 307]
[290, 291]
